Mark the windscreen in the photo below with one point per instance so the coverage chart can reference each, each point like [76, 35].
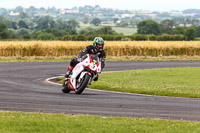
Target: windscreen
[94, 58]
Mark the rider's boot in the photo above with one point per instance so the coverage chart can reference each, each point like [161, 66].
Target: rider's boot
[70, 68]
[96, 78]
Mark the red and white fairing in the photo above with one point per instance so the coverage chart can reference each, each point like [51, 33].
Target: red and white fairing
[93, 65]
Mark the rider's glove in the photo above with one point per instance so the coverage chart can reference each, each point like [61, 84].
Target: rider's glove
[79, 59]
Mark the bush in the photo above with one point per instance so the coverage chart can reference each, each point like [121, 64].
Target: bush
[66, 38]
[81, 38]
[139, 37]
[91, 38]
[46, 36]
[26, 37]
[107, 37]
[135, 37]
[118, 37]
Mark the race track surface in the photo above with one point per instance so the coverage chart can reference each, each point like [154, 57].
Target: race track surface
[23, 88]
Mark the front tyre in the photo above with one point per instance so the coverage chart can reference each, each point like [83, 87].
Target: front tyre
[83, 85]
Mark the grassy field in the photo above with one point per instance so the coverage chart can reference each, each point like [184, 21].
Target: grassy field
[124, 30]
[16, 122]
[178, 82]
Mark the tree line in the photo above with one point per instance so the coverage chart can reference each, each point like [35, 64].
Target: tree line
[167, 27]
[46, 28]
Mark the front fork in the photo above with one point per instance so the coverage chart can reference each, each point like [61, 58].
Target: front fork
[65, 82]
[92, 78]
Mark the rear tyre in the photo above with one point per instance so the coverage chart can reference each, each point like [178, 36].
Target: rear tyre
[65, 89]
[84, 83]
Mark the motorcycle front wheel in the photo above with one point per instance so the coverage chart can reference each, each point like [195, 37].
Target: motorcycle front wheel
[83, 84]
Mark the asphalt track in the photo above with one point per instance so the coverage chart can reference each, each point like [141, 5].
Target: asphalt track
[23, 88]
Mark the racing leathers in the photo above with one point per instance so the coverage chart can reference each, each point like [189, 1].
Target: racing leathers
[88, 50]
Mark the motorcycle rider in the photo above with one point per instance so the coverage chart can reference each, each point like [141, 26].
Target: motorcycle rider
[96, 48]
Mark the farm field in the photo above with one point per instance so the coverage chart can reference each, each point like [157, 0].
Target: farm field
[113, 48]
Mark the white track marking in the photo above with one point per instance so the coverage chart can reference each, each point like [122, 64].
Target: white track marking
[48, 81]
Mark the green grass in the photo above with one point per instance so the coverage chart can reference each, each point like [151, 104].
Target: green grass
[124, 30]
[178, 82]
[17, 122]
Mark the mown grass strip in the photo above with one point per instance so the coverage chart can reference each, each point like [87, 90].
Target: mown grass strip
[17, 122]
[112, 58]
[177, 82]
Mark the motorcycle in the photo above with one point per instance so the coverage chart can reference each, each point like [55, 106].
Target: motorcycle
[83, 74]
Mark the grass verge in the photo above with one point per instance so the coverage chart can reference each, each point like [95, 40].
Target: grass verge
[110, 58]
[178, 82]
[17, 122]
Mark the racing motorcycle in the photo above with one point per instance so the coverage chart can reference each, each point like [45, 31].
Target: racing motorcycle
[83, 74]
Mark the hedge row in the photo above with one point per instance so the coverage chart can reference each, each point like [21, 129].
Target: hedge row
[135, 37]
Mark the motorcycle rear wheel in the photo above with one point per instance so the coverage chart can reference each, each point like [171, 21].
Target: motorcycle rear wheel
[66, 89]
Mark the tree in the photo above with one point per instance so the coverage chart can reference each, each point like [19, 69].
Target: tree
[19, 9]
[4, 34]
[134, 22]
[22, 24]
[45, 23]
[72, 24]
[102, 31]
[26, 37]
[87, 31]
[123, 24]
[23, 15]
[149, 27]
[46, 36]
[96, 22]
[166, 26]
[114, 20]
[179, 30]
[3, 11]
[190, 33]
[86, 20]
[10, 24]
[21, 32]
[61, 25]
[106, 30]
[32, 9]
[198, 31]
[42, 9]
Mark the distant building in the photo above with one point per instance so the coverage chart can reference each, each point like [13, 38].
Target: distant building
[14, 14]
[125, 15]
[186, 25]
[189, 15]
[88, 15]
[149, 14]
[63, 11]
[99, 14]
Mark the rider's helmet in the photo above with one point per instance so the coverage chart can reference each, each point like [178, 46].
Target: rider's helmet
[98, 43]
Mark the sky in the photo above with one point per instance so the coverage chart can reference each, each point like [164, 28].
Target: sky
[153, 5]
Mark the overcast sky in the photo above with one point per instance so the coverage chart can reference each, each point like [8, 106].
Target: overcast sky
[161, 5]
